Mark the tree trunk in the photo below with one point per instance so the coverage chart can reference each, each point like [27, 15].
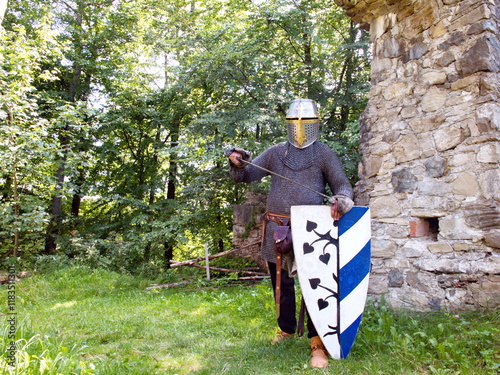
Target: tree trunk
[308, 62]
[74, 93]
[171, 185]
[172, 170]
[349, 72]
[54, 226]
[77, 197]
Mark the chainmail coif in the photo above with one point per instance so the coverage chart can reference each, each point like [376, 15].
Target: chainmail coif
[314, 166]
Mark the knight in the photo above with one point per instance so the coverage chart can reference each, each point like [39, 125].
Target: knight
[300, 168]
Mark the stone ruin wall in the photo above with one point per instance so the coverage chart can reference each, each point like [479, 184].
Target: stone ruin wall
[430, 153]
[247, 225]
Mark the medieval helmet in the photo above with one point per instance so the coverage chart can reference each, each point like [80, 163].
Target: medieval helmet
[302, 123]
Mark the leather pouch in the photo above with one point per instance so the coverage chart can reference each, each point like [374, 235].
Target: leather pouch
[283, 239]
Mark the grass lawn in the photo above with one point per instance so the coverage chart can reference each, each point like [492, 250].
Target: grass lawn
[82, 321]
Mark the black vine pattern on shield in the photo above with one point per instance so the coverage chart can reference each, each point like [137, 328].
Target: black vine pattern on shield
[325, 257]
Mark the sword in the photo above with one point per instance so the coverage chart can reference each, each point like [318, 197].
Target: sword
[283, 177]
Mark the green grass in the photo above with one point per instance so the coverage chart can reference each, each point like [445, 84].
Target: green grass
[82, 321]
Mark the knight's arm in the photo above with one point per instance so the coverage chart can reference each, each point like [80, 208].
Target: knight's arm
[338, 182]
[247, 173]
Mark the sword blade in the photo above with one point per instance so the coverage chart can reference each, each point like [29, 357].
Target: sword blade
[283, 177]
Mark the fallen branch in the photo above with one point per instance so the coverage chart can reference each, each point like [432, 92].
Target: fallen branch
[226, 270]
[157, 286]
[252, 277]
[196, 260]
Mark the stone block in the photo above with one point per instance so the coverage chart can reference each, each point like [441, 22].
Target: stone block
[418, 50]
[438, 30]
[429, 214]
[488, 117]
[453, 227]
[403, 181]
[481, 27]
[456, 38]
[433, 187]
[469, 83]
[427, 148]
[490, 85]
[448, 137]
[455, 298]
[489, 182]
[384, 249]
[434, 99]
[414, 248]
[470, 17]
[442, 265]
[406, 148]
[433, 78]
[416, 281]
[380, 148]
[489, 154]
[492, 238]
[394, 220]
[422, 20]
[381, 65]
[379, 25]
[238, 231]
[484, 56]
[460, 159]
[409, 112]
[387, 206]
[488, 266]
[370, 166]
[465, 184]
[395, 279]
[378, 284]
[392, 48]
[410, 298]
[396, 91]
[426, 124]
[440, 248]
[435, 166]
[483, 216]
[388, 164]
[397, 264]
[486, 294]
[445, 60]
[242, 214]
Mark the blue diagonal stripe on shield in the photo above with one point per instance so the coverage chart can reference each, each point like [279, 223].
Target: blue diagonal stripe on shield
[355, 252]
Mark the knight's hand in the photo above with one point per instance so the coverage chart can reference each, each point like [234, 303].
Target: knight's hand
[340, 205]
[235, 156]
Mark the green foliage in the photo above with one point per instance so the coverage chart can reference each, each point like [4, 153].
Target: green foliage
[434, 343]
[36, 354]
[26, 150]
[117, 115]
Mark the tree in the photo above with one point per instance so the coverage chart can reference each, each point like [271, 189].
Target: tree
[26, 150]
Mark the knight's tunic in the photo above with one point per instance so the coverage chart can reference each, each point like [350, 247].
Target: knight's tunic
[314, 166]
